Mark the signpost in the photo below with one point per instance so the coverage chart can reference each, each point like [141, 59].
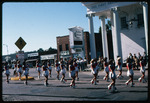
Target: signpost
[20, 43]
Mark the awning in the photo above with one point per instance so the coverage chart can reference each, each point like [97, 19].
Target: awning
[30, 60]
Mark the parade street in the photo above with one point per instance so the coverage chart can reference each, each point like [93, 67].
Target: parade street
[84, 90]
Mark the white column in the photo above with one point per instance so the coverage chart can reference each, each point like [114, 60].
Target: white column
[145, 16]
[117, 33]
[92, 36]
[104, 38]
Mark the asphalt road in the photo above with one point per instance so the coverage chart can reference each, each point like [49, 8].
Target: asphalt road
[84, 90]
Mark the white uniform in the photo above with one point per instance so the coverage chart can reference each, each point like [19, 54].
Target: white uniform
[57, 68]
[38, 67]
[112, 74]
[20, 68]
[130, 71]
[106, 69]
[6, 70]
[45, 71]
[72, 71]
[142, 68]
[63, 71]
[15, 68]
[119, 66]
[49, 67]
[26, 71]
[93, 69]
[76, 67]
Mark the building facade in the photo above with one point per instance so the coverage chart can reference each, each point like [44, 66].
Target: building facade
[63, 47]
[64, 40]
[129, 24]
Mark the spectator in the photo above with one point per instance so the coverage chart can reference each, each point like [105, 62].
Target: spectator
[82, 64]
[145, 58]
[136, 61]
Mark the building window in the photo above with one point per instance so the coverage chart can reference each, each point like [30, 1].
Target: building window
[140, 20]
[77, 42]
[67, 47]
[60, 47]
[123, 23]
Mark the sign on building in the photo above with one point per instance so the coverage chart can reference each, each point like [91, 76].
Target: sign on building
[64, 53]
[33, 54]
[48, 57]
[76, 39]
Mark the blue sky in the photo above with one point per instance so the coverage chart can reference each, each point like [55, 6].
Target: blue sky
[39, 23]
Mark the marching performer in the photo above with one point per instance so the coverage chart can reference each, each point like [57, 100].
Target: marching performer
[26, 71]
[94, 72]
[19, 69]
[142, 70]
[45, 73]
[72, 73]
[97, 66]
[7, 71]
[106, 77]
[130, 72]
[38, 66]
[119, 67]
[76, 68]
[15, 69]
[112, 75]
[57, 68]
[63, 71]
[49, 68]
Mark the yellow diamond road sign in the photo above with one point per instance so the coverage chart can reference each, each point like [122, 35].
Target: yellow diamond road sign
[20, 43]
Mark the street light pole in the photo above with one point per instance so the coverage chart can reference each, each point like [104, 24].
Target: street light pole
[7, 47]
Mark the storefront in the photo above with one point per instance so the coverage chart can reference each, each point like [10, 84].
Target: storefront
[51, 57]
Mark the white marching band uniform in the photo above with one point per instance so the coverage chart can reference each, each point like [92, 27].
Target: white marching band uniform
[106, 69]
[142, 68]
[112, 74]
[63, 71]
[26, 72]
[93, 68]
[130, 70]
[20, 68]
[76, 67]
[57, 68]
[119, 66]
[15, 68]
[38, 67]
[72, 71]
[6, 70]
[50, 68]
[45, 71]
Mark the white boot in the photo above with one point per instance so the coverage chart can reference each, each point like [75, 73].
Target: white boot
[104, 78]
[126, 82]
[109, 86]
[140, 79]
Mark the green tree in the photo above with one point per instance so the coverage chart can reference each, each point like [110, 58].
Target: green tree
[40, 50]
